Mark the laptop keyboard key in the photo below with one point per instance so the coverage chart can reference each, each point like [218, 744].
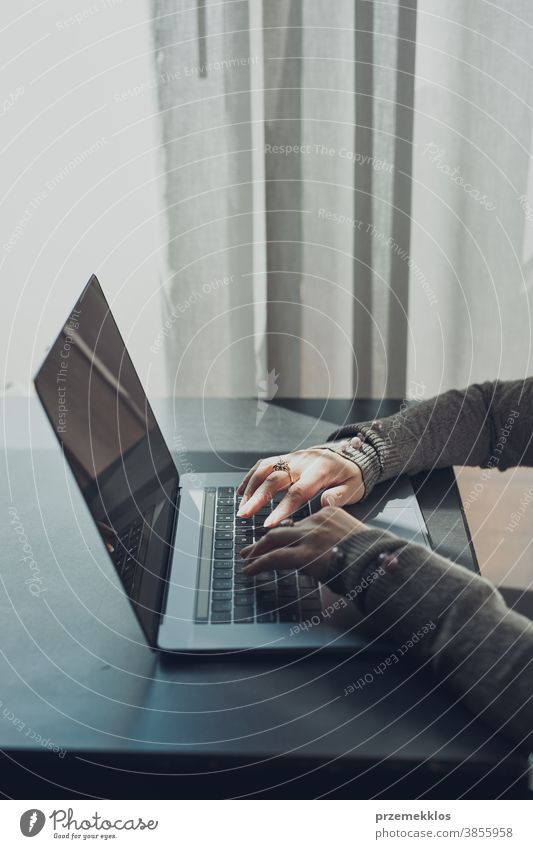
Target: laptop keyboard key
[306, 580]
[267, 607]
[263, 577]
[243, 598]
[265, 595]
[221, 617]
[310, 605]
[221, 585]
[244, 614]
[243, 580]
[265, 618]
[223, 574]
[290, 613]
[221, 564]
[243, 589]
[287, 577]
[287, 592]
[222, 595]
[218, 606]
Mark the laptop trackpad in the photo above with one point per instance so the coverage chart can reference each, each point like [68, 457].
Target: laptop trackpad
[393, 506]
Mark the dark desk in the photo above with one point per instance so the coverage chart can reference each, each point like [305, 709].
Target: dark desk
[78, 678]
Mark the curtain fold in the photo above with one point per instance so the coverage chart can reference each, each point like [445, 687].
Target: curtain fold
[470, 283]
[327, 80]
[203, 79]
[283, 94]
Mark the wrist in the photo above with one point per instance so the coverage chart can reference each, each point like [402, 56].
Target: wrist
[359, 555]
[363, 452]
[386, 438]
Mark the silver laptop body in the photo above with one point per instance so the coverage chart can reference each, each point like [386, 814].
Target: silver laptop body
[174, 540]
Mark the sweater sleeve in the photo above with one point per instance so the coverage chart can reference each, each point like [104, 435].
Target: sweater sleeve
[488, 424]
[449, 617]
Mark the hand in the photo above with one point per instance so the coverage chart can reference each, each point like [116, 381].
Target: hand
[109, 536]
[312, 469]
[306, 545]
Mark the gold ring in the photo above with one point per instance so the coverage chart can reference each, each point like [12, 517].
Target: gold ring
[283, 466]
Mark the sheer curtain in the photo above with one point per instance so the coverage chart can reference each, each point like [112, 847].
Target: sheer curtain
[287, 150]
[472, 211]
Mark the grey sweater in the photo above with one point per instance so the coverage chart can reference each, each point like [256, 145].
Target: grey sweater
[482, 648]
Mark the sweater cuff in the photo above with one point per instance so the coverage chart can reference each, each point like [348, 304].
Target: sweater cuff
[382, 458]
[366, 458]
[360, 553]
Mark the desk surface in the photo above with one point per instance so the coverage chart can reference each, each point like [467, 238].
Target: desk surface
[86, 708]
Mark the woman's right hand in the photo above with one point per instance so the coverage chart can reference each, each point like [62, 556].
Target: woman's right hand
[312, 469]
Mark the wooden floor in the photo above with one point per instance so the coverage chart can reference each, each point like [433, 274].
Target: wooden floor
[499, 510]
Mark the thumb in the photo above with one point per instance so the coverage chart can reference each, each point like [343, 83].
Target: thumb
[338, 496]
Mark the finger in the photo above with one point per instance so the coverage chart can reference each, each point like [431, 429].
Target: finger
[248, 475]
[291, 557]
[300, 492]
[107, 531]
[346, 493]
[109, 536]
[276, 538]
[264, 493]
[263, 468]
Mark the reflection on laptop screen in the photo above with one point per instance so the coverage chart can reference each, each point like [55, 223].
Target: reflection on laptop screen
[111, 440]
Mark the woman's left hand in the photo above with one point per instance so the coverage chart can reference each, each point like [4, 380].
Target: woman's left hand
[306, 545]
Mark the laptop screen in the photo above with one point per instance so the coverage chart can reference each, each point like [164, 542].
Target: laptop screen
[101, 416]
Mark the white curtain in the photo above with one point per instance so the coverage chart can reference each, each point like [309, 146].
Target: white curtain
[472, 212]
[303, 259]
[286, 133]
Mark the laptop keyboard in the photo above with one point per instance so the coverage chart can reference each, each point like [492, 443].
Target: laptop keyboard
[236, 598]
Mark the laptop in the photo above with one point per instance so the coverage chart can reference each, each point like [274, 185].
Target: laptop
[174, 540]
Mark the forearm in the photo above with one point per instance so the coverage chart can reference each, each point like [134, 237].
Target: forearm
[486, 424]
[471, 639]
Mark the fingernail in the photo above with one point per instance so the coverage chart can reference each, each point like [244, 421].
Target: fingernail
[269, 521]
